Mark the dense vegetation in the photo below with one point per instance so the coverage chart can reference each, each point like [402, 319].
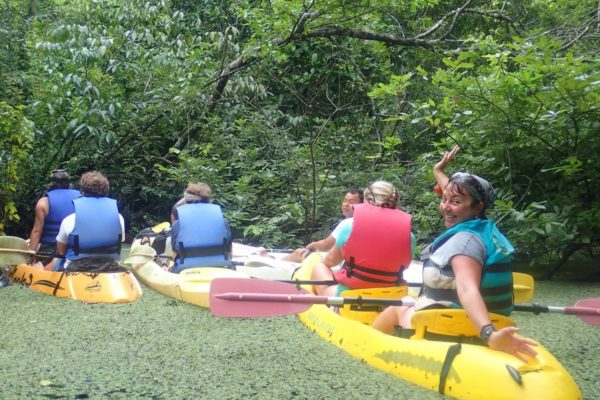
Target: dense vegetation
[281, 105]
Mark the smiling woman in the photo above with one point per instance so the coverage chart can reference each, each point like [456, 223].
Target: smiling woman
[465, 197]
[468, 266]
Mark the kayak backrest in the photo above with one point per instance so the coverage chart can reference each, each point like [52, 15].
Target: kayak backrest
[451, 322]
[368, 312]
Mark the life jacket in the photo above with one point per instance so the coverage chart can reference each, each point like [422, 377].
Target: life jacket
[60, 204]
[496, 285]
[378, 248]
[97, 230]
[201, 237]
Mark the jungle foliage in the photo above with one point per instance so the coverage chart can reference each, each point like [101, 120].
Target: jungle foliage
[282, 105]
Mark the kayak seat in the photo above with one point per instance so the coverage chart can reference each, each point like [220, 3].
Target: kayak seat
[367, 313]
[451, 322]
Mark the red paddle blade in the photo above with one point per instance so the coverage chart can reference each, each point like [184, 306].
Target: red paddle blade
[591, 315]
[252, 298]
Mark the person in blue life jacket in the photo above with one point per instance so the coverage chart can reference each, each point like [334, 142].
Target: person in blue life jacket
[200, 235]
[96, 228]
[467, 266]
[376, 245]
[50, 210]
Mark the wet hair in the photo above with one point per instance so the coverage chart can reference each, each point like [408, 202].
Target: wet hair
[60, 179]
[478, 188]
[382, 194]
[360, 194]
[94, 184]
[197, 192]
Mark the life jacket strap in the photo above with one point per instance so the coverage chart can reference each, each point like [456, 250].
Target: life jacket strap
[451, 354]
[204, 251]
[106, 249]
[495, 268]
[352, 269]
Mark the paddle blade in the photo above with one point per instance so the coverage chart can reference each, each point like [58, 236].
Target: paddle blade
[227, 298]
[592, 316]
[14, 243]
[8, 257]
[523, 286]
[14, 250]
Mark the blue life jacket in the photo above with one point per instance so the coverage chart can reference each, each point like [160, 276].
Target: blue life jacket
[60, 204]
[496, 284]
[97, 231]
[201, 237]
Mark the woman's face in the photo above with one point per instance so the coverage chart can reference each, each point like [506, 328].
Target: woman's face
[457, 207]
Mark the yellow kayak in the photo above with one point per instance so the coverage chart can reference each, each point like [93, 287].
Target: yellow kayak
[465, 370]
[88, 287]
[191, 285]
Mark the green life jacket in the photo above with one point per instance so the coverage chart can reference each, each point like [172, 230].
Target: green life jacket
[496, 284]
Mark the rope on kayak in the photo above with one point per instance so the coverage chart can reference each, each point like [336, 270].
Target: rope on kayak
[451, 354]
[95, 265]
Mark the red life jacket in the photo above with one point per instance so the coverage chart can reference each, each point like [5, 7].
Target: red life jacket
[378, 249]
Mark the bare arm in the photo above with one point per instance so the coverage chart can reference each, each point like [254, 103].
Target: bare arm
[468, 275]
[61, 248]
[41, 210]
[333, 257]
[322, 245]
[322, 271]
[438, 169]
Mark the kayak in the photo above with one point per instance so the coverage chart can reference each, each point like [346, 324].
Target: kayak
[88, 287]
[439, 357]
[192, 285]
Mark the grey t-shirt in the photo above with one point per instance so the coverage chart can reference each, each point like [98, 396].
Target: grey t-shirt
[437, 271]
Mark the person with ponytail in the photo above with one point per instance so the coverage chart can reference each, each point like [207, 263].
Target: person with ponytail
[375, 246]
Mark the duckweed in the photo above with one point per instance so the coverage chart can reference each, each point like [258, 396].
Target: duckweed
[159, 348]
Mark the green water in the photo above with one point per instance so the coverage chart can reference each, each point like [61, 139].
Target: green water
[159, 348]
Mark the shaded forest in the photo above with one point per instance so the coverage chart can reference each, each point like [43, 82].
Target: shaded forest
[283, 105]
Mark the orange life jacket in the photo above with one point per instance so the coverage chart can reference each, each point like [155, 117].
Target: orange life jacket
[378, 248]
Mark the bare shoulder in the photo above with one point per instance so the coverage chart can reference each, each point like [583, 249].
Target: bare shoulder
[42, 204]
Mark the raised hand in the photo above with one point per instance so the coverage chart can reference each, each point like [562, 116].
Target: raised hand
[438, 169]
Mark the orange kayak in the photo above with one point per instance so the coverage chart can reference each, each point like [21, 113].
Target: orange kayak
[88, 287]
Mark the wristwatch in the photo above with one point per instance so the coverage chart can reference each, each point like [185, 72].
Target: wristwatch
[486, 332]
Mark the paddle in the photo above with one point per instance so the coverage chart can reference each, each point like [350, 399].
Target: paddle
[235, 297]
[14, 250]
[261, 298]
[279, 250]
[523, 285]
[586, 309]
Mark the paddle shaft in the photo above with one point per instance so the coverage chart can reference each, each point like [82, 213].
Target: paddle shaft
[49, 255]
[332, 282]
[279, 250]
[233, 263]
[537, 309]
[308, 299]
